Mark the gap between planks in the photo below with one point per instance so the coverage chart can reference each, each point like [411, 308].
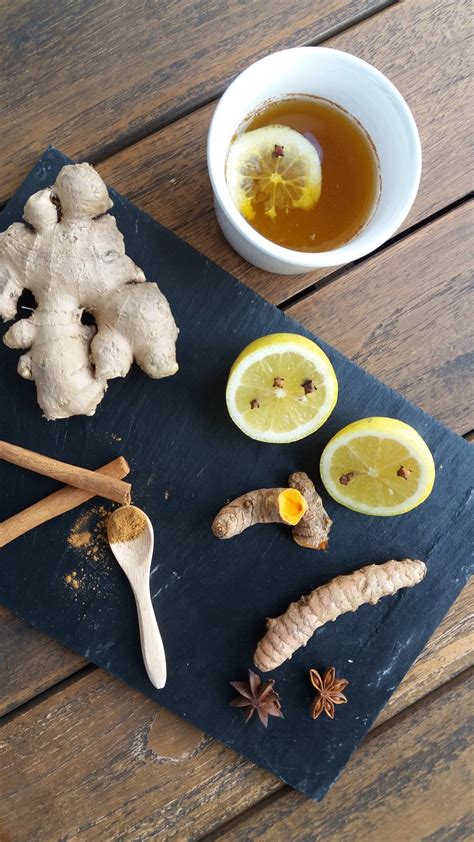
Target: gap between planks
[300, 296]
[164, 180]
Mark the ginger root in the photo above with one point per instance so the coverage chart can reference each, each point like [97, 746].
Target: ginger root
[71, 255]
[267, 505]
[295, 627]
[313, 529]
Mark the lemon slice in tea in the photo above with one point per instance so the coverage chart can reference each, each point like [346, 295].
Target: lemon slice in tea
[378, 466]
[281, 388]
[276, 166]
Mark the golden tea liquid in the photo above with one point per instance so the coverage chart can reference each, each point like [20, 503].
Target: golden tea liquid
[350, 176]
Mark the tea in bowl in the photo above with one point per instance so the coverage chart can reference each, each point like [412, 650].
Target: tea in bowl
[314, 159]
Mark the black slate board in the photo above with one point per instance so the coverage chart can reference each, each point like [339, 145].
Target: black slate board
[211, 597]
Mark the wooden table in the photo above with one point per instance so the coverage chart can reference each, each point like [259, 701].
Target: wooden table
[130, 85]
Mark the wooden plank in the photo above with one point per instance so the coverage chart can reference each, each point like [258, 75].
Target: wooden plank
[88, 77]
[411, 780]
[407, 316]
[166, 173]
[142, 771]
[30, 662]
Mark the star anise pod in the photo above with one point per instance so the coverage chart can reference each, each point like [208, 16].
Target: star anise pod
[257, 696]
[329, 692]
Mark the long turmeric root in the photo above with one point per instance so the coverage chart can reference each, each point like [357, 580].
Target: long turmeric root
[267, 505]
[295, 627]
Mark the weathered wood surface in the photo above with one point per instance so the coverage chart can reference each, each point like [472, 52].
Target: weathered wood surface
[106, 761]
[142, 771]
[406, 315]
[410, 780]
[89, 77]
[30, 662]
[414, 44]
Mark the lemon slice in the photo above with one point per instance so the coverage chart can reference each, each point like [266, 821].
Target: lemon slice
[281, 388]
[378, 466]
[276, 166]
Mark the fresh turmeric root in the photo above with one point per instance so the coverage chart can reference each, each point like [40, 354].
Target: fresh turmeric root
[313, 528]
[299, 506]
[267, 505]
[295, 627]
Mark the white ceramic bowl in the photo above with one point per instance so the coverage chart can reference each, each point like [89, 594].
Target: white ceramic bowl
[363, 91]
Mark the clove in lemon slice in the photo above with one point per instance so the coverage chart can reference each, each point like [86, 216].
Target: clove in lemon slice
[378, 466]
[281, 388]
[273, 166]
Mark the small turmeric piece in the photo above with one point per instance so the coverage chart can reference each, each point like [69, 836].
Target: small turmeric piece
[313, 529]
[267, 505]
[295, 627]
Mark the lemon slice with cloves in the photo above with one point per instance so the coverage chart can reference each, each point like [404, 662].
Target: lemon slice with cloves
[274, 166]
[281, 388]
[378, 466]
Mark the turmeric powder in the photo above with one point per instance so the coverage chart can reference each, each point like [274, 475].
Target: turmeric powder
[125, 524]
[295, 627]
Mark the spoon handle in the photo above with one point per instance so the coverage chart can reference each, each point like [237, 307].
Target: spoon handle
[152, 644]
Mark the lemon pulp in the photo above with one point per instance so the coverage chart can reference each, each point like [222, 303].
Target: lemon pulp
[378, 466]
[275, 166]
[281, 388]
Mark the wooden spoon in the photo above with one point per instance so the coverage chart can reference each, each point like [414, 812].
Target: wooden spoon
[131, 540]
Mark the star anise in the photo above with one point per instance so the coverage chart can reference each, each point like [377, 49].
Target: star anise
[329, 692]
[257, 696]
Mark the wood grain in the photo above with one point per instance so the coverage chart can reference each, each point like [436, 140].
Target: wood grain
[406, 315]
[87, 77]
[117, 764]
[408, 781]
[30, 662]
[414, 44]
[144, 773]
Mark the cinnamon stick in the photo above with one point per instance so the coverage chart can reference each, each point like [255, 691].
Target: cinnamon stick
[92, 481]
[61, 501]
